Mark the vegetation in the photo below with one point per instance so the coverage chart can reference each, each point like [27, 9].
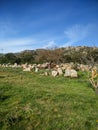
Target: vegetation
[80, 54]
[30, 101]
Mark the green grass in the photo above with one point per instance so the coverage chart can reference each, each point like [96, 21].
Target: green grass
[30, 101]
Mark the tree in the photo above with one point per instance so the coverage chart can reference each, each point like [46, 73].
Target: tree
[9, 58]
[47, 55]
[27, 56]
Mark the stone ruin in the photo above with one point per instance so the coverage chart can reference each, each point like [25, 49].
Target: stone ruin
[65, 69]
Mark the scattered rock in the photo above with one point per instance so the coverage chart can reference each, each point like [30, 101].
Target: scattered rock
[59, 70]
[36, 69]
[54, 73]
[27, 69]
[71, 73]
[74, 73]
[46, 73]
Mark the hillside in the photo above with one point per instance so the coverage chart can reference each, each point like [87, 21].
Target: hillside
[79, 54]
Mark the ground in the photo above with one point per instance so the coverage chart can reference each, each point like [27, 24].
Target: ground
[31, 101]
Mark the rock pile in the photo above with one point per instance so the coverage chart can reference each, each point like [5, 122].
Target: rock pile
[65, 69]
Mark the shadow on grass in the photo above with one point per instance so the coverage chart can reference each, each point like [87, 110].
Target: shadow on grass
[4, 97]
[2, 76]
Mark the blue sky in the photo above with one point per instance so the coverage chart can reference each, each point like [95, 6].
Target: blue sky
[33, 24]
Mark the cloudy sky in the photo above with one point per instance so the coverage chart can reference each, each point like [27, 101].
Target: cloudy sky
[33, 24]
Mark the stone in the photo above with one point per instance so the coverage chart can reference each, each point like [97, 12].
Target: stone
[27, 69]
[59, 70]
[67, 73]
[46, 73]
[71, 73]
[54, 73]
[74, 73]
[36, 69]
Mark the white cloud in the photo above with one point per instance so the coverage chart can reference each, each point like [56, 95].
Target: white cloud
[50, 44]
[20, 44]
[16, 42]
[77, 33]
[16, 45]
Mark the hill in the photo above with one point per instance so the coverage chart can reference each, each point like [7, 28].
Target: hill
[79, 54]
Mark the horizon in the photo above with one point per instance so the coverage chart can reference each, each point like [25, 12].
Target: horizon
[48, 49]
[42, 24]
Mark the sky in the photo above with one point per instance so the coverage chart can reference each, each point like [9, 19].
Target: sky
[36, 24]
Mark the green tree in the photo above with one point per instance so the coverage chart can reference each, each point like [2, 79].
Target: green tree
[10, 58]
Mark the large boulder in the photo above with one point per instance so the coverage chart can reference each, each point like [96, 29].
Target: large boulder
[67, 73]
[44, 65]
[59, 70]
[74, 73]
[84, 67]
[71, 73]
[24, 65]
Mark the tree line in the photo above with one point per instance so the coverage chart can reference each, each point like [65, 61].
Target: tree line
[80, 54]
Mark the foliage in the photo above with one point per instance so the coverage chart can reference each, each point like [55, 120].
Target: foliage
[84, 55]
[48, 55]
[27, 56]
[8, 58]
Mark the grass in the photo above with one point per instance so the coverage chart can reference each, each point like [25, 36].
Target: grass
[30, 101]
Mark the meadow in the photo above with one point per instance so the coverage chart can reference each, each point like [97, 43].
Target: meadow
[31, 101]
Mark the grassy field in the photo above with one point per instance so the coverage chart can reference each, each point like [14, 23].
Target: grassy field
[30, 101]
